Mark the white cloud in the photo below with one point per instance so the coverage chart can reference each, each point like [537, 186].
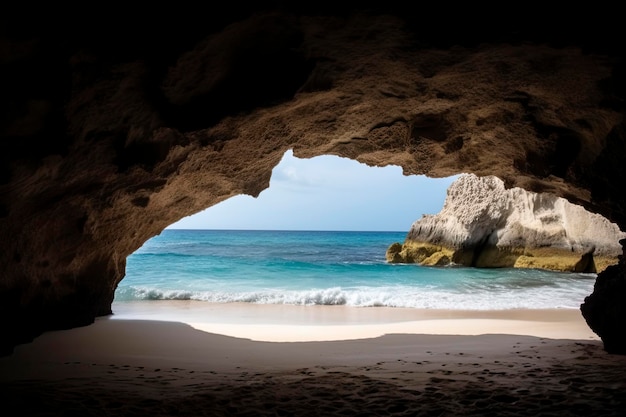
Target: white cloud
[328, 193]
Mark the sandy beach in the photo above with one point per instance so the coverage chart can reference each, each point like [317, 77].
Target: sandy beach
[198, 359]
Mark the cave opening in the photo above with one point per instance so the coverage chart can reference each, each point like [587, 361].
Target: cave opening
[310, 250]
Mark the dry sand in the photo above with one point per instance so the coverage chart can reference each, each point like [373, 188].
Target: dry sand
[197, 359]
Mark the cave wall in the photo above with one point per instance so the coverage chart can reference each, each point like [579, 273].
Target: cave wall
[115, 126]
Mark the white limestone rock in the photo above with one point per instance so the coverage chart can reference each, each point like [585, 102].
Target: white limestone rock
[486, 225]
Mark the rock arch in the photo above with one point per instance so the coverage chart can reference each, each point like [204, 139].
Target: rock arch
[114, 129]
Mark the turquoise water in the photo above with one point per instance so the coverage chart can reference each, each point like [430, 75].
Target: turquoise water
[328, 268]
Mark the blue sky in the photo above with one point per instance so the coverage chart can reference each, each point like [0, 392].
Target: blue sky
[328, 193]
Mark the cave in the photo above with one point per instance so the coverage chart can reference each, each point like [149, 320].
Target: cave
[115, 126]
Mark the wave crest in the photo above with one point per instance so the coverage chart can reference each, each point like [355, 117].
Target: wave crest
[367, 297]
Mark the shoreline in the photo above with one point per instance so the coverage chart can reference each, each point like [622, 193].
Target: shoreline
[297, 323]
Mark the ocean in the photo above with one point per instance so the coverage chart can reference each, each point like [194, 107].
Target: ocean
[328, 268]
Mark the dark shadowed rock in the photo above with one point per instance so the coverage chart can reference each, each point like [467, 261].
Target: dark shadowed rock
[116, 123]
[605, 310]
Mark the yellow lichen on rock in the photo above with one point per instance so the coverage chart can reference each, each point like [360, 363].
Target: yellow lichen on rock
[393, 253]
[420, 253]
[497, 257]
[553, 259]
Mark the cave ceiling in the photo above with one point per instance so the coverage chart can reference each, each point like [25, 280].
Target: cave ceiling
[118, 122]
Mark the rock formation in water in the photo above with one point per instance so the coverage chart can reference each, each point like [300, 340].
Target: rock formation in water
[117, 123]
[486, 225]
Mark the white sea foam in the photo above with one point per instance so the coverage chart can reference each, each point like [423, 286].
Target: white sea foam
[530, 298]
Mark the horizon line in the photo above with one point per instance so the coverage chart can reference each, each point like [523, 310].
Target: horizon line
[285, 230]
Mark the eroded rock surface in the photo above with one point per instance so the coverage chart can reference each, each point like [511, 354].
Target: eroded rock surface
[113, 127]
[605, 310]
[485, 225]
